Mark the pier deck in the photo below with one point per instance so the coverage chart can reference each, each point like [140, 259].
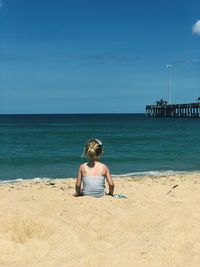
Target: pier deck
[161, 109]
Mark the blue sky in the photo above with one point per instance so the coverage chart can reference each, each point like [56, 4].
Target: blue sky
[97, 56]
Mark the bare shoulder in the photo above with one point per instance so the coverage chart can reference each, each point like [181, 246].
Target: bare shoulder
[104, 167]
[82, 166]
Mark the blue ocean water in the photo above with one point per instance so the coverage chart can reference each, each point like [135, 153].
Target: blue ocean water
[51, 145]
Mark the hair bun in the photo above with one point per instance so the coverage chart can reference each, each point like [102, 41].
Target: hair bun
[93, 148]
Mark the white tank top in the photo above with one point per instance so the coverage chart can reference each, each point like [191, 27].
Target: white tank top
[93, 186]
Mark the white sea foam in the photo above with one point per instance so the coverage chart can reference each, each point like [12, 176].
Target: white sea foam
[151, 173]
[143, 173]
[36, 179]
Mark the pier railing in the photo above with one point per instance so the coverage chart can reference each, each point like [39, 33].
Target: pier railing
[191, 110]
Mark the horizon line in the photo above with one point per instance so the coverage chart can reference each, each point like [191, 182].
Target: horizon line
[103, 113]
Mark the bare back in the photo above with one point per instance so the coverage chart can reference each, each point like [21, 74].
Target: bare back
[99, 169]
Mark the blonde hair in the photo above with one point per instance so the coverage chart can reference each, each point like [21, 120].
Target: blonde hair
[93, 149]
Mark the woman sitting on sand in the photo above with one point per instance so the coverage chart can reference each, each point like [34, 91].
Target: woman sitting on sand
[93, 173]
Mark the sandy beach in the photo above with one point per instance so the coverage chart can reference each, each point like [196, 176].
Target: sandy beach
[43, 224]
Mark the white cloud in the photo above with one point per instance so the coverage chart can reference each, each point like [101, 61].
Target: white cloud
[196, 27]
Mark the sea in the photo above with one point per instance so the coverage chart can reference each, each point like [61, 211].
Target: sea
[50, 146]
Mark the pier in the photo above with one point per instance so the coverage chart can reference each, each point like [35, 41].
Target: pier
[162, 109]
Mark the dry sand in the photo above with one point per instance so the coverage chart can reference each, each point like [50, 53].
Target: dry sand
[158, 225]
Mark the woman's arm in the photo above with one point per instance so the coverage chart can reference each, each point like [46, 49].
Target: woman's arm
[78, 183]
[110, 182]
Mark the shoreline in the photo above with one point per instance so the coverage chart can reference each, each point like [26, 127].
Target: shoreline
[143, 174]
[43, 224]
